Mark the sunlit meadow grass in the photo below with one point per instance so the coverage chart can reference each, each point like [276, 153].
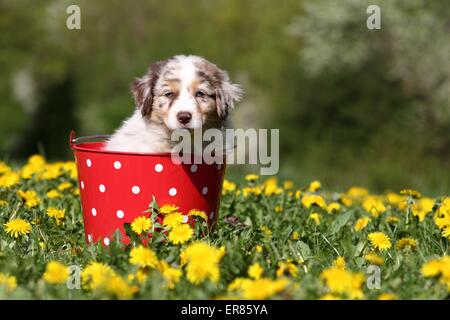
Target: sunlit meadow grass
[274, 240]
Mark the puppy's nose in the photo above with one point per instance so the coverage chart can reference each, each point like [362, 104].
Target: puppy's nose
[184, 117]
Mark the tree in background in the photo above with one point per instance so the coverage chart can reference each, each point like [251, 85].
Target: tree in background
[386, 90]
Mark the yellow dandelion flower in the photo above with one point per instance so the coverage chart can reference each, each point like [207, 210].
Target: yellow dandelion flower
[168, 208]
[3, 203]
[422, 207]
[9, 179]
[198, 213]
[55, 273]
[330, 296]
[339, 263]
[64, 186]
[236, 284]
[119, 288]
[202, 262]
[70, 167]
[315, 217]
[141, 276]
[95, 275]
[357, 193]
[374, 205]
[346, 200]
[342, 281]
[9, 282]
[432, 268]
[288, 184]
[4, 168]
[361, 223]
[266, 230]
[54, 194]
[392, 219]
[406, 242]
[446, 232]
[171, 275]
[394, 199]
[374, 259]
[278, 209]
[173, 220]
[333, 207]
[295, 235]
[411, 193]
[36, 160]
[259, 248]
[255, 271]
[314, 186]
[30, 197]
[251, 177]
[17, 227]
[262, 288]
[379, 240]
[143, 257]
[288, 266]
[51, 171]
[181, 234]
[251, 190]
[271, 189]
[56, 214]
[387, 296]
[228, 186]
[309, 200]
[183, 257]
[298, 194]
[141, 224]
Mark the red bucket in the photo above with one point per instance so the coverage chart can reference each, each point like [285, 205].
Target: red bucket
[117, 187]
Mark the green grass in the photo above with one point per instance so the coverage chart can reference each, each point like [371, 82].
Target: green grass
[239, 231]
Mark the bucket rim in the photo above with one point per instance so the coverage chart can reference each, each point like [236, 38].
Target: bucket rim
[81, 146]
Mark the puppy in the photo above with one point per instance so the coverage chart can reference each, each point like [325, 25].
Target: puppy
[182, 92]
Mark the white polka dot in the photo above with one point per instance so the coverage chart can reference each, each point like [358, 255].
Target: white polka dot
[194, 168]
[185, 219]
[89, 237]
[120, 214]
[82, 185]
[205, 190]
[117, 165]
[102, 188]
[135, 189]
[89, 163]
[106, 241]
[94, 212]
[172, 191]
[159, 167]
[211, 215]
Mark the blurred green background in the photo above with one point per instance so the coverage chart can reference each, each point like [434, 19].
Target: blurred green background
[354, 106]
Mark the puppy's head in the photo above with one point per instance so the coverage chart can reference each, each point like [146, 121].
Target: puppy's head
[185, 92]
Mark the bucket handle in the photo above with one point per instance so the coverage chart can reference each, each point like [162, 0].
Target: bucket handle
[74, 140]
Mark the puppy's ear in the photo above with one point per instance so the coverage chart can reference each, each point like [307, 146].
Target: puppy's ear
[142, 88]
[227, 94]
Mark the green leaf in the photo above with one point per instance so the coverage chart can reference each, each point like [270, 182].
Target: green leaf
[340, 221]
[304, 250]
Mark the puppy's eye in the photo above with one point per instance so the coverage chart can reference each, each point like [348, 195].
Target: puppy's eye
[199, 94]
[168, 94]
